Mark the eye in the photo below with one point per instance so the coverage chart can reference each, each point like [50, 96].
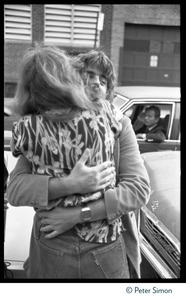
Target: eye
[103, 82]
[91, 75]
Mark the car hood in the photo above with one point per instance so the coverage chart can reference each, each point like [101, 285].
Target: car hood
[164, 173]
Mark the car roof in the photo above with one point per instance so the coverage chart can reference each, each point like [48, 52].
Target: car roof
[138, 92]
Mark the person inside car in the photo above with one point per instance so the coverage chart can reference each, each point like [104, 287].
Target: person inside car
[152, 129]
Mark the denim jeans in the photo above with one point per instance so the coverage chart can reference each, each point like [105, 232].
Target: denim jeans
[68, 256]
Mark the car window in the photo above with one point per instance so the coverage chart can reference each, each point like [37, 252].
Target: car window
[136, 112]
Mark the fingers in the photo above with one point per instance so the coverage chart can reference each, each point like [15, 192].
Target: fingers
[84, 156]
[103, 186]
[106, 183]
[103, 175]
[105, 180]
[108, 171]
[46, 228]
[103, 166]
[51, 235]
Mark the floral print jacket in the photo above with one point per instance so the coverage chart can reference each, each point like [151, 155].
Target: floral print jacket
[51, 146]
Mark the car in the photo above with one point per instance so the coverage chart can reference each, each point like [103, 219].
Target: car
[160, 218]
[132, 101]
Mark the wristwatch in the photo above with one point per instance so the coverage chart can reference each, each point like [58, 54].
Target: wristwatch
[85, 214]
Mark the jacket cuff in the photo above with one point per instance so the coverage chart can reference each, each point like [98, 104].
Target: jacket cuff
[42, 191]
[110, 205]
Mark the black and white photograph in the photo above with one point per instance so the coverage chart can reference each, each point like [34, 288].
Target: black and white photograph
[92, 168]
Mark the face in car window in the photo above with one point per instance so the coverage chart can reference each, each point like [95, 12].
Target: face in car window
[150, 118]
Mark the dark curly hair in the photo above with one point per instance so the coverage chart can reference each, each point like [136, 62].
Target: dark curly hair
[97, 59]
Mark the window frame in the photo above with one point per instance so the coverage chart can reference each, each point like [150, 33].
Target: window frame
[157, 103]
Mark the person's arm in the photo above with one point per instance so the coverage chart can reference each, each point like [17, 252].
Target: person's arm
[27, 189]
[133, 190]
[61, 219]
[82, 179]
[131, 193]
[158, 136]
[24, 188]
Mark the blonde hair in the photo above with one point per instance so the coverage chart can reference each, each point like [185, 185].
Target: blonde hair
[48, 81]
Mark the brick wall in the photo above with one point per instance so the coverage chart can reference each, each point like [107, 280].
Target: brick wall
[106, 33]
[37, 22]
[111, 38]
[14, 50]
[13, 53]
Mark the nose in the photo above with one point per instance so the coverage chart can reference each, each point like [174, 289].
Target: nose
[95, 80]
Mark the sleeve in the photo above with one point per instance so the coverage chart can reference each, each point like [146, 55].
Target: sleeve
[14, 143]
[21, 136]
[133, 189]
[22, 182]
[158, 136]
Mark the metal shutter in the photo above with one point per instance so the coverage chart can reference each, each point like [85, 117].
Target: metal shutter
[17, 22]
[73, 25]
